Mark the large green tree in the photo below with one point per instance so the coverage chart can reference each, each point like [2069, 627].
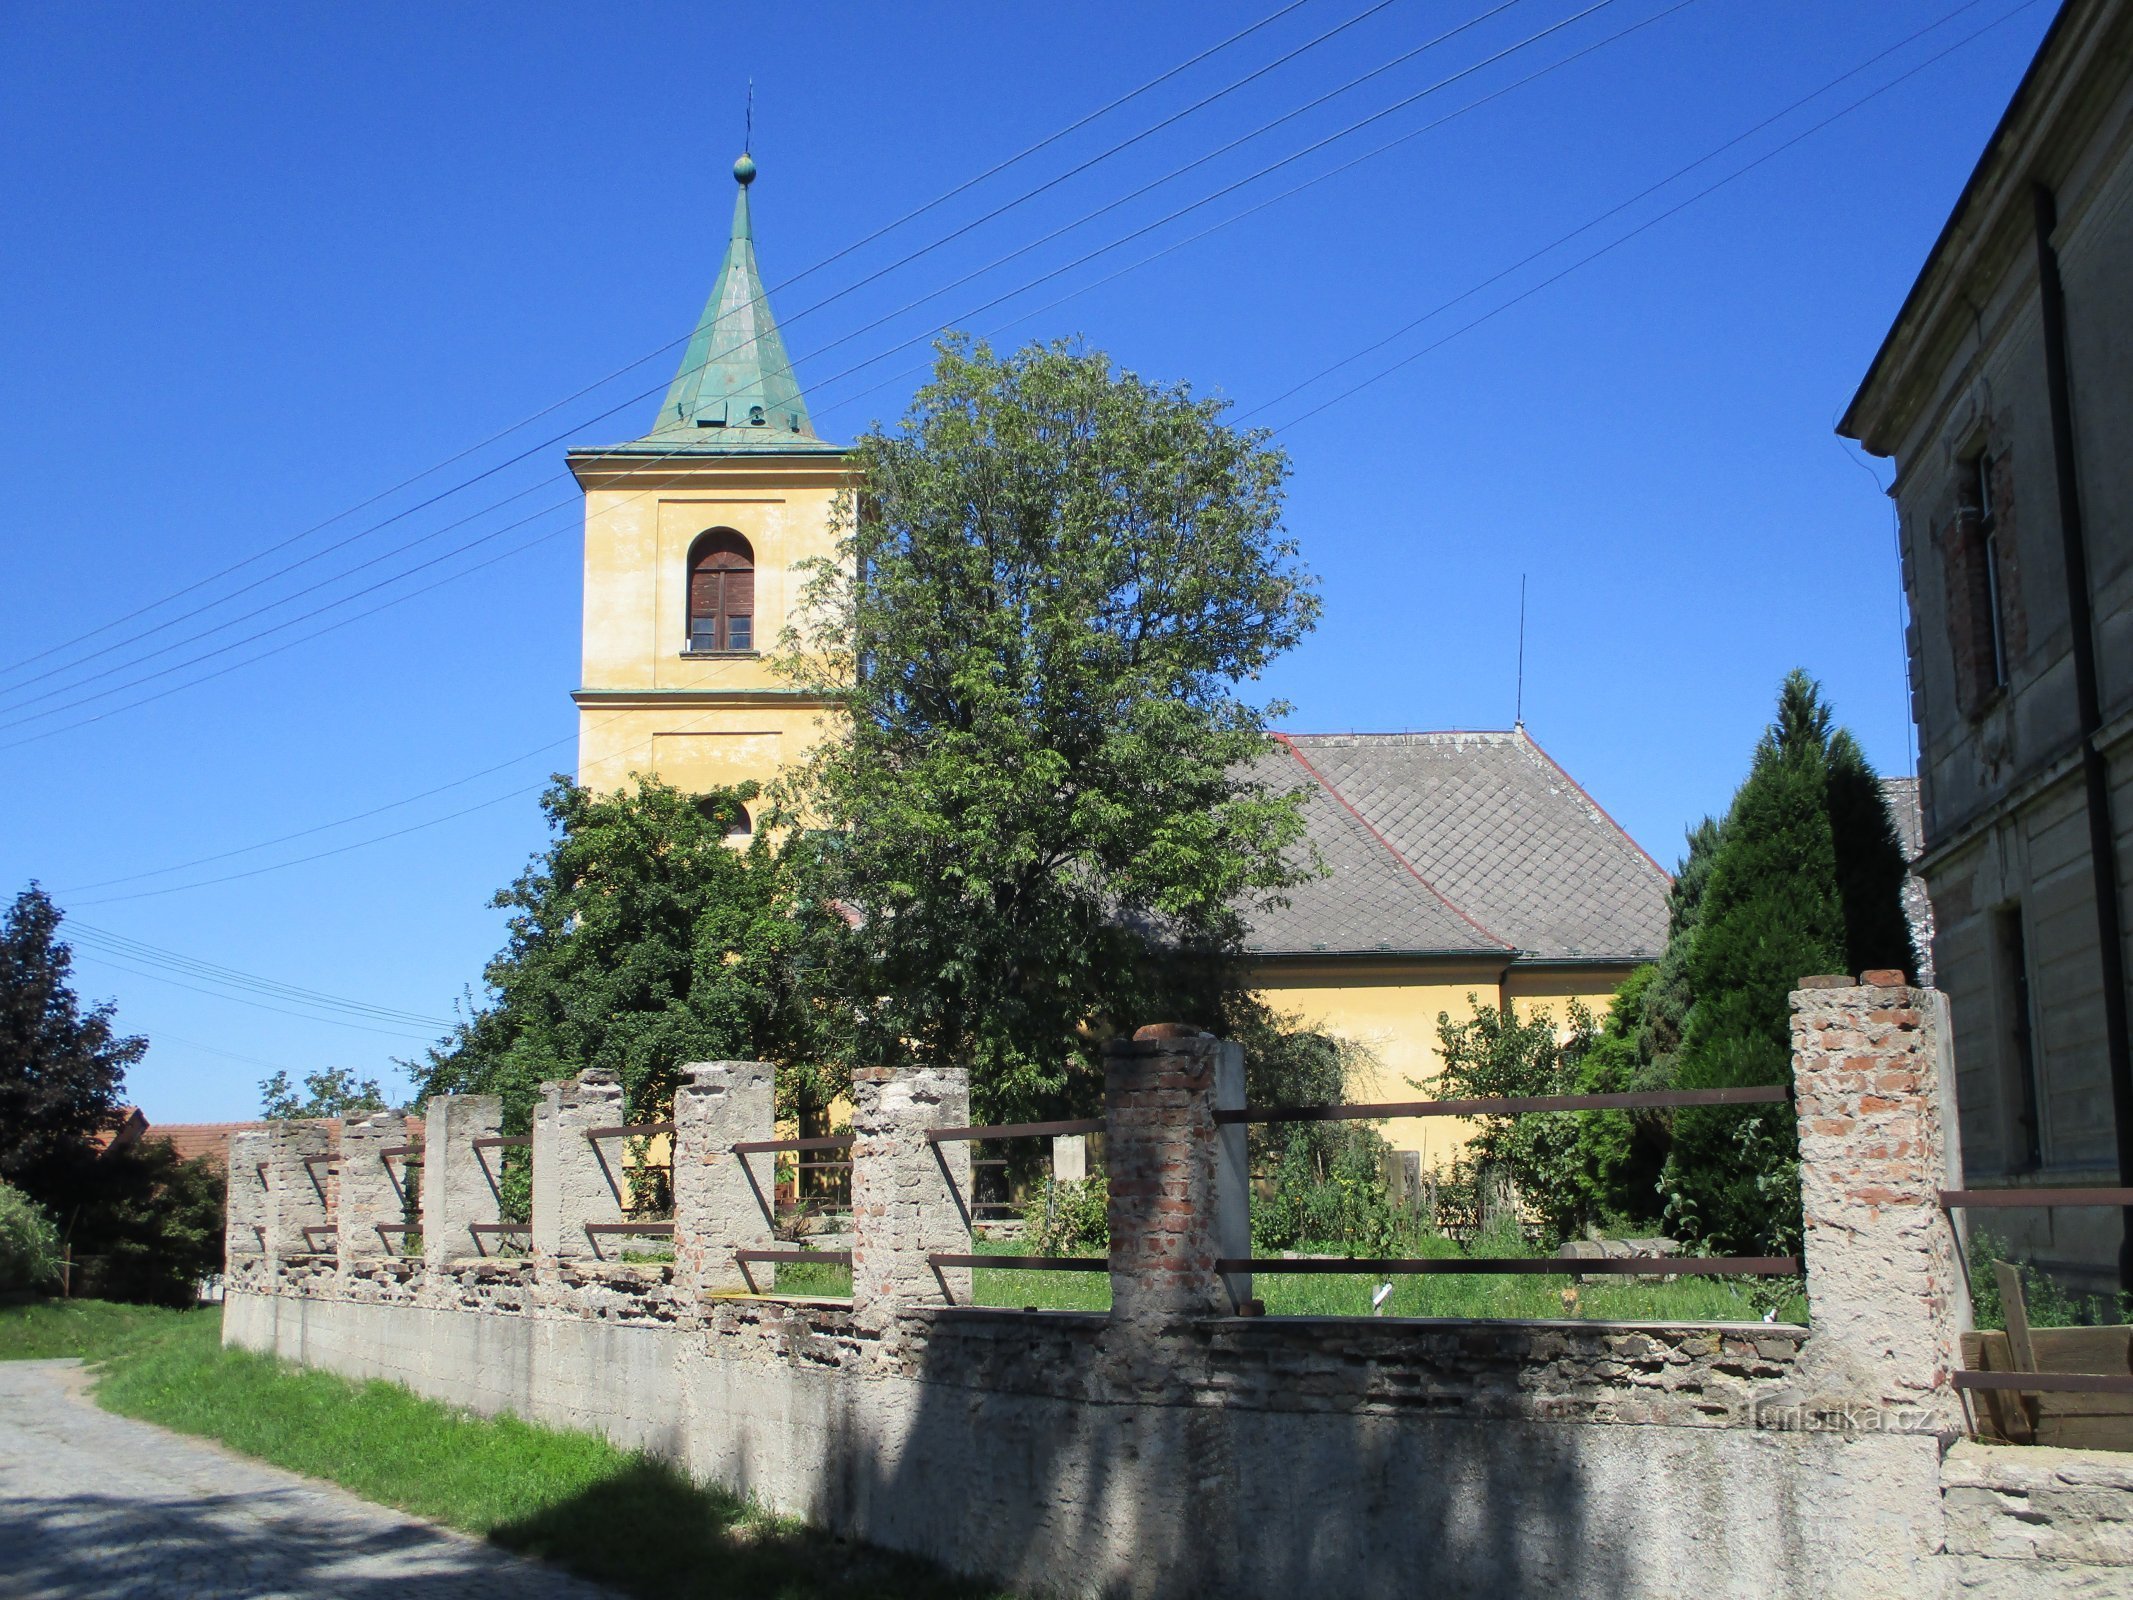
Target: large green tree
[1035, 632]
[641, 939]
[1806, 878]
[62, 1065]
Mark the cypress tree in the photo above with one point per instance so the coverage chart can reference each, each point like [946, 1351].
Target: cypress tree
[1806, 878]
[1663, 1012]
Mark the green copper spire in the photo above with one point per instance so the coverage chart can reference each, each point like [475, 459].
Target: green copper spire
[735, 389]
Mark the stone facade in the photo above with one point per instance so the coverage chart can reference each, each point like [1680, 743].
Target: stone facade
[724, 1200]
[1173, 1448]
[368, 1202]
[299, 1218]
[1881, 1269]
[2014, 498]
[909, 1195]
[461, 1189]
[577, 1180]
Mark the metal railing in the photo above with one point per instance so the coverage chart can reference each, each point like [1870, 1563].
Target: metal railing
[2029, 1381]
[1504, 1106]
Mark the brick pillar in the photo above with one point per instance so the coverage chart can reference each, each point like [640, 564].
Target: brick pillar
[246, 1230]
[1882, 1277]
[459, 1182]
[299, 1213]
[909, 1196]
[722, 1201]
[1170, 1171]
[576, 1181]
[369, 1189]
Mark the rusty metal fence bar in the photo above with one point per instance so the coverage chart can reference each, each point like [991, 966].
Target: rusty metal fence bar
[650, 1230]
[1506, 1106]
[630, 1130]
[1024, 1263]
[399, 1151]
[504, 1141]
[2014, 1199]
[499, 1227]
[828, 1141]
[1545, 1266]
[1015, 1130]
[826, 1258]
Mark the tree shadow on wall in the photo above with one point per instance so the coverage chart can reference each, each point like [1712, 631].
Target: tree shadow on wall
[649, 1530]
[1249, 1474]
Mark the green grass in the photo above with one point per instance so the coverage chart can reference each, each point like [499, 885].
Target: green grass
[92, 1329]
[1298, 1294]
[610, 1515]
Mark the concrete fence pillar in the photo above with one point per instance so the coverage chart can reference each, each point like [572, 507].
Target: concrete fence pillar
[460, 1184]
[723, 1202]
[577, 1181]
[1178, 1185]
[301, 1217]
[1883, 1282]
[369, 1193]
[248, 1219]
[910, 1196]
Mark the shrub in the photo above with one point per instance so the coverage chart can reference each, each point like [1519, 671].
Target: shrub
[29, 1243]
[1067, 1218]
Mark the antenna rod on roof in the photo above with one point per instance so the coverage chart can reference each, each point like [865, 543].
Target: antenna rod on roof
[1518, 713]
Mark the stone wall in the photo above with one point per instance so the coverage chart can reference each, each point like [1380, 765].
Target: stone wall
[1173, 1447]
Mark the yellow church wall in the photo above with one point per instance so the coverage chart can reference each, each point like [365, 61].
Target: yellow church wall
[1390, 1009]
[649, 706]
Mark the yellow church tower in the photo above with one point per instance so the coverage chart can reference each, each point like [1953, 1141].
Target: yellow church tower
[693, 535]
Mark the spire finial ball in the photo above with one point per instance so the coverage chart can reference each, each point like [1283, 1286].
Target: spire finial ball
[744, 170]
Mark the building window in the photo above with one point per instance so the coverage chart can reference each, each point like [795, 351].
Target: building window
[2018, 1037]
[1979, 536]
[721, 593]
[722, 810]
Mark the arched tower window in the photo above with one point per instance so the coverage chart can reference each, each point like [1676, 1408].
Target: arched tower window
[721, 592]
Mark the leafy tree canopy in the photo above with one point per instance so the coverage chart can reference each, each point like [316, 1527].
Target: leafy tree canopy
[1035, 630]
[331, 1093]
[62, 1067]
[1806, 878]
[640, 940]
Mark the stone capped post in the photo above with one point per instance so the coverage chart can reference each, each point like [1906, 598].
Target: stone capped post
[723, 1201]
[1178, 1188]
[301, 1216]
[247, 1230]
[459, 1182]
[369, 1192]
[1883, 1282]
[577, 1181]
[910, 1196]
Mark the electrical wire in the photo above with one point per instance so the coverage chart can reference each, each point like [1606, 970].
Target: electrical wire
[1646, 226]
[545, 444]
[119, 688]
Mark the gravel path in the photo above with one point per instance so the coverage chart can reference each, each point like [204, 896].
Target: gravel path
[95, 1507]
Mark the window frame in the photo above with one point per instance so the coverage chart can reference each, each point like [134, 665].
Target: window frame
[722, 616]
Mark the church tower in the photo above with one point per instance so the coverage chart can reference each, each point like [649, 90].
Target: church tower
[693, 535]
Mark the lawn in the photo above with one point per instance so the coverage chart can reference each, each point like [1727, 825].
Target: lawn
[1299, 1294]
[568, 1497]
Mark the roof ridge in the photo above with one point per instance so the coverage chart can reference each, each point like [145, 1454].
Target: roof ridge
[1288, 743]
[1601, 811]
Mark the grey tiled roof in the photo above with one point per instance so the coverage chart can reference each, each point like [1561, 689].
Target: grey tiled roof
[1459, 842]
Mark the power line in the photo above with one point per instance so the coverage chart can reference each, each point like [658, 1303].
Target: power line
[1256, 206]
[81, 934]
[1058, 271]
[1646, 226]
[1321, 38]
[101, 959]
[1593, 222]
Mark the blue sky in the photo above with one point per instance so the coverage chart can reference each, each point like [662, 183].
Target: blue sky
[262, 264]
